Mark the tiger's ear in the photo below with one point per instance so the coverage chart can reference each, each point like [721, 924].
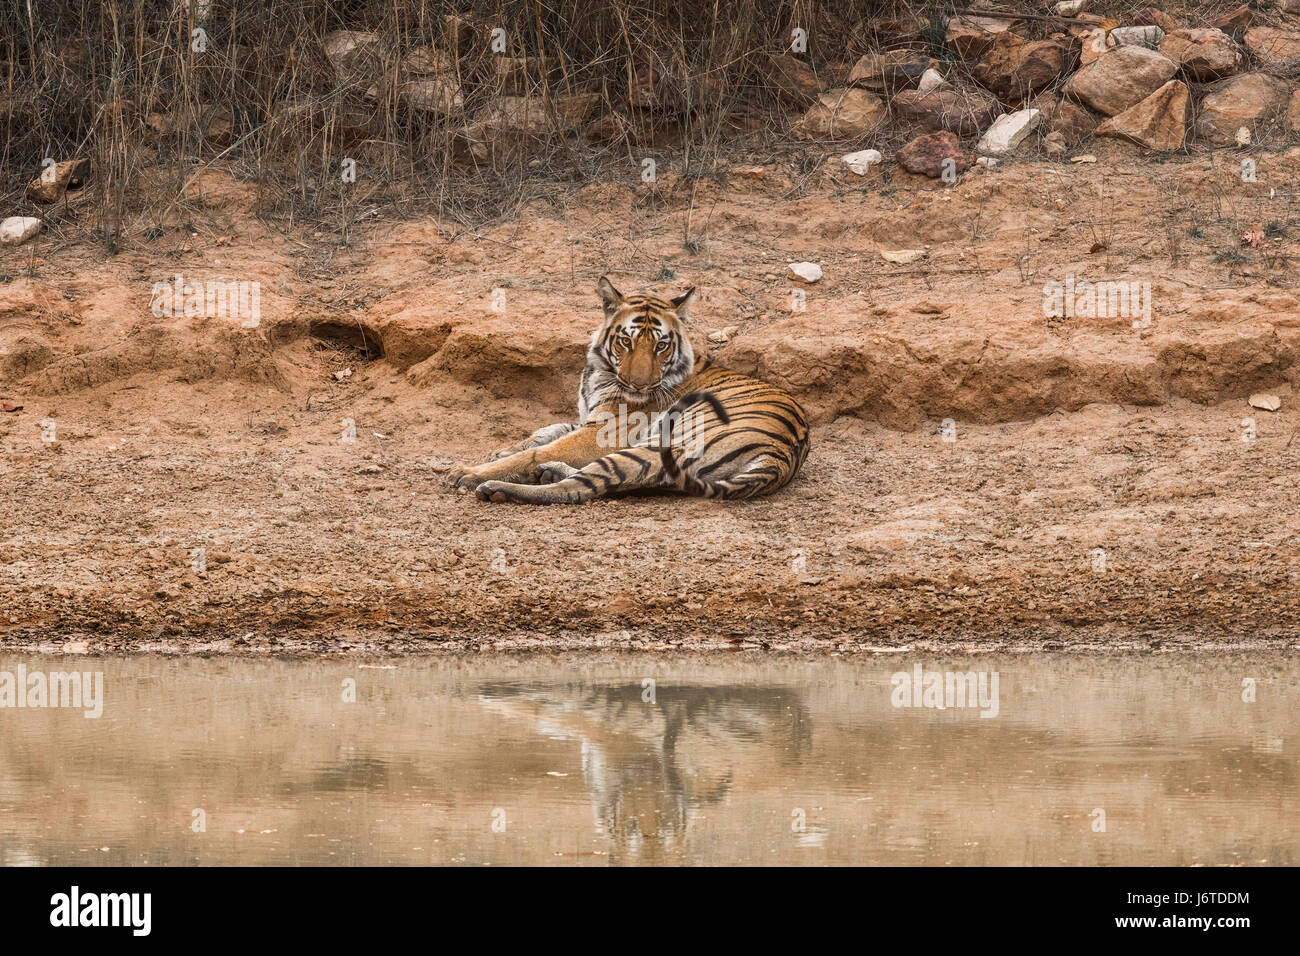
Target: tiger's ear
[683, 302]
[610, 296]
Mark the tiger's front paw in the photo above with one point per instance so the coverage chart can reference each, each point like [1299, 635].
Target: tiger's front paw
[549, 472]
[496, 491]
[465, 478]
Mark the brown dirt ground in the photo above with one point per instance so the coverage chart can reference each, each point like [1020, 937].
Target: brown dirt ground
[1073, 435]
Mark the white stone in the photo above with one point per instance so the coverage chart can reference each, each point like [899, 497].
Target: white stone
[808, 271]
[18, 229]
[1070, 8]
[1085, 158]
[863, 160]
[1147, 36]
[1008, 131]
[902, 256]
[986, 162]
[1265, 400]
[930, 80]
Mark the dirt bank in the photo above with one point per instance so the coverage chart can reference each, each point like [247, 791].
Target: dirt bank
[1073, 434]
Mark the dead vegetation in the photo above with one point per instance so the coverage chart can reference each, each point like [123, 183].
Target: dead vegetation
[342, 112]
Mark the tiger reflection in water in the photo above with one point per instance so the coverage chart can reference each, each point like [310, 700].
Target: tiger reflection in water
[647, 766]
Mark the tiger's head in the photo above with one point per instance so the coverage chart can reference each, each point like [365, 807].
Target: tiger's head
[642, 344]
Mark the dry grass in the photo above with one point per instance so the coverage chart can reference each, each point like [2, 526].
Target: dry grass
[121, 81]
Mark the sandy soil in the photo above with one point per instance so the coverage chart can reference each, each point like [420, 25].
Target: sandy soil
[1072, 435]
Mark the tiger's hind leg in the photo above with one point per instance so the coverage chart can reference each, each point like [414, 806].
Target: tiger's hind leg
[762, 475]
[627, 470]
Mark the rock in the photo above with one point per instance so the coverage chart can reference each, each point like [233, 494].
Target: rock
[1008, 131]
[1070, 8]
[723, 336]
[1147, 36]
[1249, 100]
[219, 125]
[891, 32]
[971, 36]
[426, 60]
[215, 124]
[903, 257]
[350, 124]
[964, 113]
[930, 80]
[511, 75]
[807, 271]
[1265, 400]
[458, 33]
[1054, 144]
[657, 87]
[890, 72]
[526, 114]
[608, 126]
[431, 94]
[1122, 78]
[507, 116]
[54, 181]
[571, 111]
[1273, 48]
[354, 54]
[1092, 21]
[18, 229]
[863, 160]
[843, 114]
[1203, 55]
[932, 154]
[1092, 44]
[1072, 121]
[1085, 158]
[1235, 21]
[1151, 16]
[1014, 68]
[792, 78]
[1157, 122]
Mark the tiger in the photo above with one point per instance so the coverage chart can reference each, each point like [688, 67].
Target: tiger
[651, 416]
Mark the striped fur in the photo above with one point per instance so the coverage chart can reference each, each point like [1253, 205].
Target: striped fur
[652, 416]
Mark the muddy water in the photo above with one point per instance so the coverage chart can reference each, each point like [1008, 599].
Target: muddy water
[1082, 760]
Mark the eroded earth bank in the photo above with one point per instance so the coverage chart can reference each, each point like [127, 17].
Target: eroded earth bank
[1107, 486]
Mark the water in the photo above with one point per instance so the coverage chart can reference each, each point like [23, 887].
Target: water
[563, 760]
